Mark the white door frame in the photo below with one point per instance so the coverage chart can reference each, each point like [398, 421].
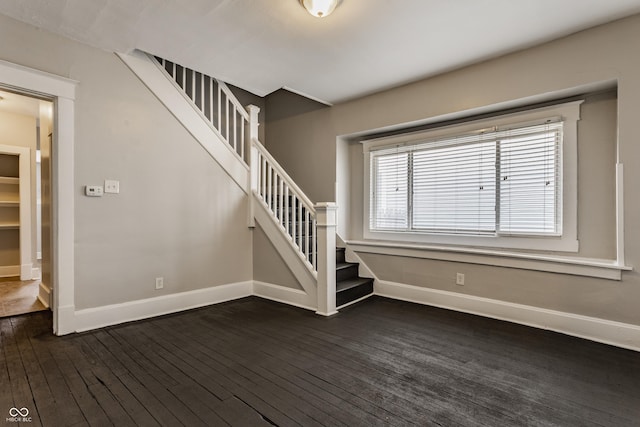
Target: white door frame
[62, 91]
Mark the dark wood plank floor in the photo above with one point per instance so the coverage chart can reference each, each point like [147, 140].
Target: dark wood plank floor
[253, 362]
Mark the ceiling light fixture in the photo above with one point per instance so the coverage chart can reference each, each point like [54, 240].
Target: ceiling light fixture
[320, 8]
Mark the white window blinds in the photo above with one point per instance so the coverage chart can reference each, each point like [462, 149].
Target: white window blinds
[390, 208]
[454, 188]
[529, 180]
[502, 181]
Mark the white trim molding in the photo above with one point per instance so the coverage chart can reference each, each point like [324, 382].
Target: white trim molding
[62, 91]
[44, 295]
[99, 317]
[36, 81]
[605, 331]
[285, 295]
[600, 268]
[568, 113]
[9, 270]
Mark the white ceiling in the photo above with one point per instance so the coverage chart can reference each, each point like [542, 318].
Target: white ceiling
[363, 47]
[18, 104]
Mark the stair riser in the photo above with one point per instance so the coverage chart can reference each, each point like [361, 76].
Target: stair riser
[340, 257]
[354, 293]
[350, 272]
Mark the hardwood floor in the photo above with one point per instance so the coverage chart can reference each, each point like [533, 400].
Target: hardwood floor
[254, 362]
[19, 297]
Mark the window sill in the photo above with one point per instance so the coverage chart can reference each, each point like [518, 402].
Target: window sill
[599, 268]
[566, 243]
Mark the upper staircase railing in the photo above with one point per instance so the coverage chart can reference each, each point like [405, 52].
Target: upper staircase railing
[213, 98]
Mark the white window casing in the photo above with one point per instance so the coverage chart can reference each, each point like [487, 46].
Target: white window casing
[482, 208]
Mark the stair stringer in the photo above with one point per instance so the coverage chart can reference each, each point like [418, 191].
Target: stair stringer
[291, 256]
[352, 256]
[192, 119]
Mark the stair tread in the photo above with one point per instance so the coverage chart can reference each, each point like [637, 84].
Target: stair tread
[346, 284]
[342, 265]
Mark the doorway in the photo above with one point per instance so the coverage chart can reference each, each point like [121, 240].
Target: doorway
[62, 91]
[26, 129]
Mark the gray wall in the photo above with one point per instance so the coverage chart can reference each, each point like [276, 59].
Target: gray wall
[268, 265]
[569, 66]
[178, 215]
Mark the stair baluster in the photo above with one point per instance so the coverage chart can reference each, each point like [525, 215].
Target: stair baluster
[310, 228]
[214, 103]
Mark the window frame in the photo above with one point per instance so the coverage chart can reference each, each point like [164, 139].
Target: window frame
[569, 113]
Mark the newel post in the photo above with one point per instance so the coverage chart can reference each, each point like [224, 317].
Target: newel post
[252, 161]
[326, 226]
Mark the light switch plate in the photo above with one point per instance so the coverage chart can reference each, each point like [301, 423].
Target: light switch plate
[111, 186]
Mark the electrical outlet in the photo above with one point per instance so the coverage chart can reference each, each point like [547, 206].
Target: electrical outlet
[460, 279]
[159, 282]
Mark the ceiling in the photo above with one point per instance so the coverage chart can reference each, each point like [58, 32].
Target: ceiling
[18, 104]
[363, 47]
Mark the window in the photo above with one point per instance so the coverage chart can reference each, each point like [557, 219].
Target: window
[498, 185]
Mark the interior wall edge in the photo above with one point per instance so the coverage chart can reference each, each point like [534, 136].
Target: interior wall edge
[282, 294]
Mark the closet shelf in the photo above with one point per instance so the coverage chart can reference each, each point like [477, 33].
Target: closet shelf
[9, 180]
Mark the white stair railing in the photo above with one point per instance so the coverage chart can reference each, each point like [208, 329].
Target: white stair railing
[213, 98]
[310, 228]
[290, 207]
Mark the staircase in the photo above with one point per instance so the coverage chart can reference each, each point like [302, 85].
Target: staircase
[349, 286]
[303, 232]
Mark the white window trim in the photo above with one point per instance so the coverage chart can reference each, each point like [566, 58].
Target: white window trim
[568, 242]
[587, 267]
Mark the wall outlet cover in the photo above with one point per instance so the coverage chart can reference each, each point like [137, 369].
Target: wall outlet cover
[111, 186]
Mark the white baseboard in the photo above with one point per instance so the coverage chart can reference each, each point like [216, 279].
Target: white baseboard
[605, 331]
[44, 295]
[99, 317]
[9, 270]
[363, 269]
[295, 297]
[64, 318]
[355, 301]
[36, 273]
[26, 271]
